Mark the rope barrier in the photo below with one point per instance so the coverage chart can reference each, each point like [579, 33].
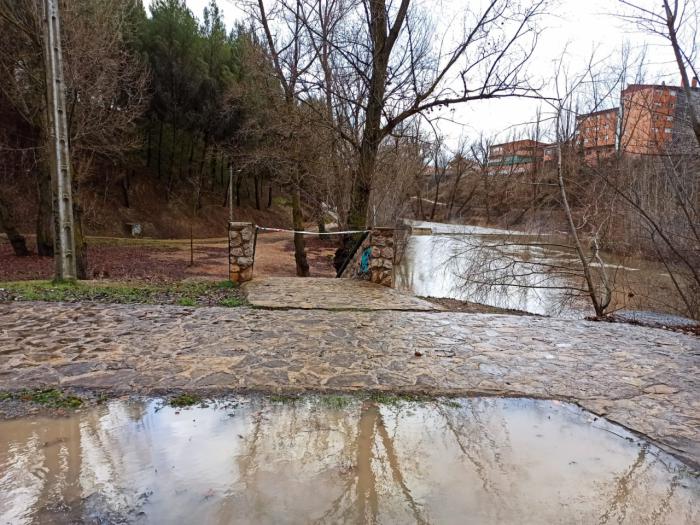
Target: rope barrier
[304, 232]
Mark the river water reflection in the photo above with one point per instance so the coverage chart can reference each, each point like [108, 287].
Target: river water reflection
[524, 272]
[338, 460]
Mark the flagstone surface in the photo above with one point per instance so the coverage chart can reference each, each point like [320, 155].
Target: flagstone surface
[643, 378]
[330, 294]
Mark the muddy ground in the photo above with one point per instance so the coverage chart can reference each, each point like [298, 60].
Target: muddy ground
[163, 260]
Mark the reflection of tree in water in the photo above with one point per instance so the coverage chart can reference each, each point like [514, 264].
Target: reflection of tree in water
[633, 482]
[40, 470]
[474, 437]
[345, 443]
[372, 426]
[526, 273]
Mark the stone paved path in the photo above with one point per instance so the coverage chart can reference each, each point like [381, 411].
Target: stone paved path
[330, 294]
[643, 378]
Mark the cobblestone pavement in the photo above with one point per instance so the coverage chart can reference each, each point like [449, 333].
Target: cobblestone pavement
[330, 294]
[645, 379]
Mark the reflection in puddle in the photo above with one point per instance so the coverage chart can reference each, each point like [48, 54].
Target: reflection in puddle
[311, 461]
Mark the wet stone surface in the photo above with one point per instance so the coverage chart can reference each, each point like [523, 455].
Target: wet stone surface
[642, 378]
[330, 294]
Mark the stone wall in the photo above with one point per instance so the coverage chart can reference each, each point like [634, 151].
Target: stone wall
[375, 259]
[241, 236]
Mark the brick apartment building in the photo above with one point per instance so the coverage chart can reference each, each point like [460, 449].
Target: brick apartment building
[597, 134]
[514, 158]
[652, 119]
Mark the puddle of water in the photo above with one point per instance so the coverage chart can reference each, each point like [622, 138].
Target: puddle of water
[476, 460]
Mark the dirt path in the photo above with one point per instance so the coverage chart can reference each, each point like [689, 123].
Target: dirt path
[169, 259]
[274, 255]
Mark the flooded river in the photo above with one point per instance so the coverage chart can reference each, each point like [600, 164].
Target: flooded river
[338, 460]
[514, 270]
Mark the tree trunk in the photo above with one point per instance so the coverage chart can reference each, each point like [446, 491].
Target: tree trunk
[257, 189]
[190, 158]
[302, 264]
[269, 195]
[680, 62]
[200, 174]
[598, 306]
[171, 166]
[125, 189]
[487, 199]
[239, 181]
[453, 195]
[362, 188]
[44, 217]
[81, 258]
[227, 192]
[149, 146]
[7, 224]
[160, 150]
[435, 200]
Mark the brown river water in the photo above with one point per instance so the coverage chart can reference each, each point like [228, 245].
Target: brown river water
[338, 460]
[515, 270]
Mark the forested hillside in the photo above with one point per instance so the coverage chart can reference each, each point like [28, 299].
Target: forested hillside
[159, 106]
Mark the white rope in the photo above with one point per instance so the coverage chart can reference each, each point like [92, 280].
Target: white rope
[303, 232]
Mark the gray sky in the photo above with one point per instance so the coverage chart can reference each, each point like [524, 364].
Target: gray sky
[580, 26]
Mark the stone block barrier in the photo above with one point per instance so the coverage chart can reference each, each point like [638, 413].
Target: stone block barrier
[381, 250]
[241, 249]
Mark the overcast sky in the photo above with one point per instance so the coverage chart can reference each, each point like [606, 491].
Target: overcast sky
[581, 26]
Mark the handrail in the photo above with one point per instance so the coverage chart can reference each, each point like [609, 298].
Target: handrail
[351, 254]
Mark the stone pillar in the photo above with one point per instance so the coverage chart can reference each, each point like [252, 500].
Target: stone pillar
[381, 256]
[241, 236]
[374, 261]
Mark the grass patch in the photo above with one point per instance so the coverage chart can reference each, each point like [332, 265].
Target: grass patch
[335, 402]
[181, 293]
[385, 398]
[48, 397]
[231, 302]
[283, 399]
[281, 201]
[185, 400]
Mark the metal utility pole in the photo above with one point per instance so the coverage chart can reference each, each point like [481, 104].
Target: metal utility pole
[230, 192]
[59, 155]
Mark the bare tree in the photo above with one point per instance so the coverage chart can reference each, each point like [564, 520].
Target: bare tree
[105, 93]
[387, 69]
[678, 22]
[440, 164]
[291, 57]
